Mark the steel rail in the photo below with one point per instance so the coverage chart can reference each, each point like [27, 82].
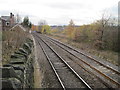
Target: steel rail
[82, 66]
[67, 64]
[58, 77]
[106, 76]
[116, 71]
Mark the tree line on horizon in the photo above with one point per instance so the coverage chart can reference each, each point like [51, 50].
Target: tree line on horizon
[103, 33]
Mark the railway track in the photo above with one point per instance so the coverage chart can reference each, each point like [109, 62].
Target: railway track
[116, 71]
[66, 75]
[107, 72]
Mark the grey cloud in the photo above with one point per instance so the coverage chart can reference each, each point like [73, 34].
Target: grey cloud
[4, 13]
[7, 12]
[67, 5]
[114, 9]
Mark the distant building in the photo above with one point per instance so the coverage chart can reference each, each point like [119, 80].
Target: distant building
[7, 21]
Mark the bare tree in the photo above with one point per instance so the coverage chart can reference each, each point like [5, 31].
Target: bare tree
[104, 22]
[41, 23]
[113, 22]
[18, 18]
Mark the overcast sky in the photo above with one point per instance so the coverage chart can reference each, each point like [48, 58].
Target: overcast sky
[59, 12]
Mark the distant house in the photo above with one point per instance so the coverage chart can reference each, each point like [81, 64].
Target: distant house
[7, 21]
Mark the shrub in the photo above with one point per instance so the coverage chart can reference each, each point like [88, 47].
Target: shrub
[11, 41]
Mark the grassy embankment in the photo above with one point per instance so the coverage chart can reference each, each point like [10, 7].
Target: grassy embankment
[107, 55]
[11, 41]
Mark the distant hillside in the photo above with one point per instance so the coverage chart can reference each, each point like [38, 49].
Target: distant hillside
[60, 27]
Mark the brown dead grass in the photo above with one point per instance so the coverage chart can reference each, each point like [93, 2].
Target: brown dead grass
[11, 41]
